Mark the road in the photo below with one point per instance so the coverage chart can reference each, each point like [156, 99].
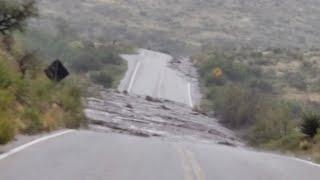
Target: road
[88, 155]
[149, 74]
[85, 155]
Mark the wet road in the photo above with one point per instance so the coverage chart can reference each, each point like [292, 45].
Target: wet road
[88, 155]
[149, 74]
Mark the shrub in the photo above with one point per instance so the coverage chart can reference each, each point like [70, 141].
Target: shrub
[94, 59]
[273, 121]
[6, 99]
[5, 78]
[86, 63]
[317, 137]
[290, 142]
[22, 91]
[310, 124]
[72, 106]
[7, 129]
[262, 85]
[236, 106]
[74, 120]
[305, 145]
[102, 78]
[32, 120]
[297, 80]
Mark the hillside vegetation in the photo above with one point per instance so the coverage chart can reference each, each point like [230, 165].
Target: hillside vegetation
[268, 97]
[97, 63]
[31, 103]
[185, 26]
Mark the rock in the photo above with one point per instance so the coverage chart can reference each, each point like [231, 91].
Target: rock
[165, 107]
[226, 143]
[129, 106]
[151, 99]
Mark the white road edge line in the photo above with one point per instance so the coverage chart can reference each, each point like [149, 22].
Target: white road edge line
[189, 94]
[25, 146]
[160, 85]
[292, 158]
[134, 76]
[307, 162]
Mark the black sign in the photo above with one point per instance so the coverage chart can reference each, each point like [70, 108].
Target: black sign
[56, 71]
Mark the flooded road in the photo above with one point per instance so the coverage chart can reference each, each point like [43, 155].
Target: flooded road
[150, 131]
[159, 102]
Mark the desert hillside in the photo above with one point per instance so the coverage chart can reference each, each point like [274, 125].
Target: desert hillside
[181, 26]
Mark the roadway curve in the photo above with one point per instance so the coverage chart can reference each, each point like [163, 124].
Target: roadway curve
[86, 155]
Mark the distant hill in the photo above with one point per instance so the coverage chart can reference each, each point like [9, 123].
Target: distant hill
[185, 26]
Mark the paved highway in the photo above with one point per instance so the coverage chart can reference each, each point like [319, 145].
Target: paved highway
[86, 155]
[149, 74]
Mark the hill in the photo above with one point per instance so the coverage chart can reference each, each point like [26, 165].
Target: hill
[185, 26]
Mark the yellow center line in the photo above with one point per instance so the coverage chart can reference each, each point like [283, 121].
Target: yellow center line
[196, 166]
[187, 168]
[191, 168]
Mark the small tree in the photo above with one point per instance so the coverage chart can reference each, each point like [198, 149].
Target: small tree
[13, 15]
[29, 62]
[102, 78]
[310, 124]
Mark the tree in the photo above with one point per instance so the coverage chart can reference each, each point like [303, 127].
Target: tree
[13, 15]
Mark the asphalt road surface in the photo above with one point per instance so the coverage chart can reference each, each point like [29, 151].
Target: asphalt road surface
[86, 155]
[149, 74]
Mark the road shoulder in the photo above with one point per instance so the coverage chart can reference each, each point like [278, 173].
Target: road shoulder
[21, 140]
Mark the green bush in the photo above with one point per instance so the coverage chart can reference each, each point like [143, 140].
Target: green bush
[93, 59]
[7, 129]
[310, 124]
[6, 99]
[103, 78]
[5, 77]
[72, 106]
[233, 69]
[22, 91]
[317, 137]
[32, 120]
[236, 105]
[86, 63]
[273, 121]
[42, 90]
[290, 142]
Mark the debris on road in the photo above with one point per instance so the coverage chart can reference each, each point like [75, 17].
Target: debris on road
[151, 99]
[154, 117]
